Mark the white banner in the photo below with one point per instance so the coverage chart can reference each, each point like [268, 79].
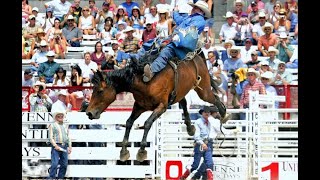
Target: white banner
[279, 169]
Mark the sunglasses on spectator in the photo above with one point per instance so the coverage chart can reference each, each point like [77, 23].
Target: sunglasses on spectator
[262, 18]
[70, 20]
[33, 19]
[267, 29]
[233, 51]
[281, 65]
[59, 115]
[253, 55]
[251, 74]
[238, 5]
[85, 10]
[264, 79]
[43, 46]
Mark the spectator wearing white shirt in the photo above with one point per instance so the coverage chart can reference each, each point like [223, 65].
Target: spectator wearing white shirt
[87, 66]
[40, 56]
[153, 16]
[39, 20]
[228, 30]
[246, 51]
[61, 105]
[163, 5]
[183, 7]
[257, 28]
[60, 7]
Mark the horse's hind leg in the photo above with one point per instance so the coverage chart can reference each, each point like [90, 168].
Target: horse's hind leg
[190, 128]
[142, 153]
[136, 112]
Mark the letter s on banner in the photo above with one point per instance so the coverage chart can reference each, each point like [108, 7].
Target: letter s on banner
[173, 163]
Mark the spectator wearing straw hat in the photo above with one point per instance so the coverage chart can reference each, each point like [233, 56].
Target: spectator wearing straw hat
[228, 30]
[273, 60]
[72, 33]
[282, 76]
[234, 62]
[264, 66]
[48, 68]
[267, 40]
[253, 85]
[40, 56]
[266, 79]
[285, 49]
[60, 145]
[257, 28]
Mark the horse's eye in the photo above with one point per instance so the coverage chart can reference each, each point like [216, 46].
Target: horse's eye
[100, 90]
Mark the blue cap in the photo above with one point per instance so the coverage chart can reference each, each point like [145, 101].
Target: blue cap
[50, 9]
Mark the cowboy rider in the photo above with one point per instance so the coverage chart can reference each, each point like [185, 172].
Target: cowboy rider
[180, 44]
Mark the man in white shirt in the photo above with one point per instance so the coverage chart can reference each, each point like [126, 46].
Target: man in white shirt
[153, 16]
[183, 6]
[257, 28]
[61, 104]
[228, 30]
[60, 7]
[87, 66]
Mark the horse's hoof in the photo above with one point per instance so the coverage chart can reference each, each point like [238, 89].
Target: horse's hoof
[141, 155]
[225, 119]
[124, 155]
[191, 130]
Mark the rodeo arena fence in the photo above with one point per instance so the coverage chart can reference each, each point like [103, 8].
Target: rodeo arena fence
[265, 148]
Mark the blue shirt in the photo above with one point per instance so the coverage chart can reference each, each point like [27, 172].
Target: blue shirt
[129, 7]
[192, 20]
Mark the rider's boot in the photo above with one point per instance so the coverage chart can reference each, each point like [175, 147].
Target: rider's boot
[148, 74]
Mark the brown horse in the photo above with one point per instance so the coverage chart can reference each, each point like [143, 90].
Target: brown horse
[154, 95]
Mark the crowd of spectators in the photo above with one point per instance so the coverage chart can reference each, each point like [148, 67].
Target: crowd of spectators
[256, 35]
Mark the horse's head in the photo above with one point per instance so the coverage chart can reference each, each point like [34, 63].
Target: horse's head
[102, 96]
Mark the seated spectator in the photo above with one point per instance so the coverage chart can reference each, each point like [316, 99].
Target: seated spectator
[27, 79]
[253, 15]
[76, 80]
[266, 79]
[40, 56]
[247, 50]
[98, 56]
[227, 45]
[60, 78]
[244, 30]
[77, 11]
[234, 62]
[30, 33]
[71, 33]
[254, 62]
[257, 31]
[145, 8]
[255, 4]
[274, 15]
[282, 24]
[26, 10]
[112, 6]
[149, 33]
[162, 4]
[128, 5]
[281, 76]
[266, 40]
[129, 45]
[93, 8]
[273, 60]
[64, 19]
[87, 22]
[110, 63]
[264, 67]
[153, 16]
[48, 68]
[269, 6]
[121, 26]
[60, 7]
[59, 46]
[228, 30]
[183, 7]
[291, 6]
[121, 15]
[39, 100]
[238, 4]
[284, 48]
[88, 67]
[102, 15]
[49, 20]
[295, 39]
[164, 25]
[39, 20]
[35, 45]
[137, 21]
[213, 62]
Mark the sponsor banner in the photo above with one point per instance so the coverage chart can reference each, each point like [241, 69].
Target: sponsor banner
[279, 169]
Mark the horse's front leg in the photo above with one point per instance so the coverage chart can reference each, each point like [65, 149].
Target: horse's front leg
[136, 112]
[190, 128]
[142, 153]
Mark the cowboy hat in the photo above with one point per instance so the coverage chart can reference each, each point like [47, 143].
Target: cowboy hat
[50, 53]
[228, 15]
[229, 41]
[283, 35]
[204, 109]
[43, 43]
[267, 24]
[272, 49]
[251, 70]
[264, 63]
[58, 111]
[237, 48]
[38, 83]
[203, 6]
[128, 29]
[62, 92]
[267, 74]
[238, 1]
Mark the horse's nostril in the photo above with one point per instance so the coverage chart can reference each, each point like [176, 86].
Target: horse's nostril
[89, 114]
